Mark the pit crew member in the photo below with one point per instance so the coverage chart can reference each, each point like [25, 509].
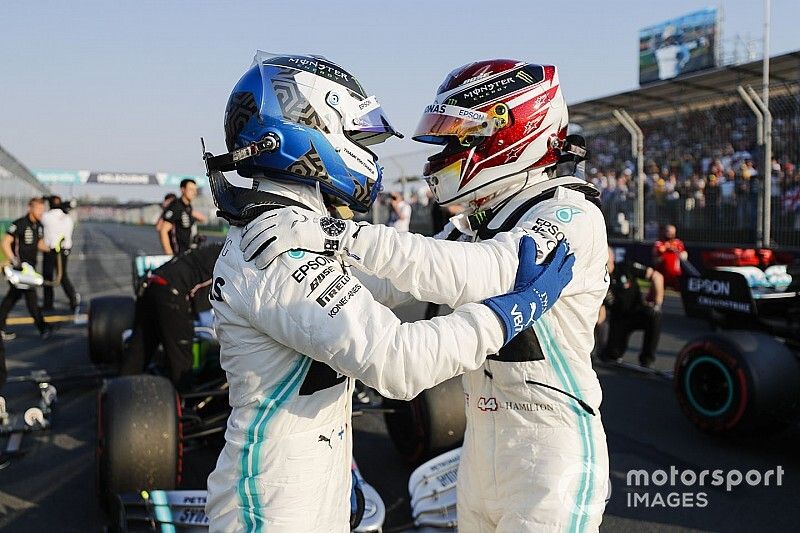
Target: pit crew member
[58, 227]
[628, 311]
[168, 302]
[178, 224]
[21, 244]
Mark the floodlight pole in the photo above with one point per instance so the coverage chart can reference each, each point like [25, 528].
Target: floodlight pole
[767, 132]
[637, 147]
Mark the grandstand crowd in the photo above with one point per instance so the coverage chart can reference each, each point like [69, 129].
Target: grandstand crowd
[702, 173]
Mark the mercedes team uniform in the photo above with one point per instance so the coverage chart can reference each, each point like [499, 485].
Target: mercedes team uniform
[534, 459]
[293, 338]
[179, 214]
[166, 307]
[26, 234]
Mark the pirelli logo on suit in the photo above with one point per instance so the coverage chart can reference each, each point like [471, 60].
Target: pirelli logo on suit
[328, 295]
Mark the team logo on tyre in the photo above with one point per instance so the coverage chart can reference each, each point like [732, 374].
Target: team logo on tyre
[331, 226]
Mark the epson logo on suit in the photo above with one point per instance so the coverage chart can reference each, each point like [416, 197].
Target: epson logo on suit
[709, 286]
[319, 261]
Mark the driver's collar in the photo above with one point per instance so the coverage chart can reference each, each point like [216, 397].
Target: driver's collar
[486, 219]
[302, 194]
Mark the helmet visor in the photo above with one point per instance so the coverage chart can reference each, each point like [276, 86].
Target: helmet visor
[367, 124]
[441, 122]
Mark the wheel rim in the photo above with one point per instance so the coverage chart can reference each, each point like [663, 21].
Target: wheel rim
[709, 386]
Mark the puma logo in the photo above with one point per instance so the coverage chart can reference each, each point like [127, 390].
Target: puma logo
[323, 438]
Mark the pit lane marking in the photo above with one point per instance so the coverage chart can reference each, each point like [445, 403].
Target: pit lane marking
[26, 320]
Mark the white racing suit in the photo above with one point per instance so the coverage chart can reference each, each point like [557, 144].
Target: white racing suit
[533, 459]
[289, 336]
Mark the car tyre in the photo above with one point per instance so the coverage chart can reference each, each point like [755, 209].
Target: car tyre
[737, 383]
[109, 317]
[431, 423]
[139, 436]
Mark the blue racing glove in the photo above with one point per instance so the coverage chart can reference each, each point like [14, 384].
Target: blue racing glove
[536, 288]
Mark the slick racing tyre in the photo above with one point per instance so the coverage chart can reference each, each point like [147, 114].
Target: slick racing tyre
[139, 436]
[737, 382]
[109, 317]
[431, 423]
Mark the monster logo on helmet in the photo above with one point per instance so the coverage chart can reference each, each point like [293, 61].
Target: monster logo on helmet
[302, 119]
[498, 121]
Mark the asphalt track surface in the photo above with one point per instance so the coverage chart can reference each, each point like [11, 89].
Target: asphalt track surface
[51, 487]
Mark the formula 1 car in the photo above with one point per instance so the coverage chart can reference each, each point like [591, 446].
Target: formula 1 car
[431, 423]
[140, 443]
[746, 375]
[184, 510]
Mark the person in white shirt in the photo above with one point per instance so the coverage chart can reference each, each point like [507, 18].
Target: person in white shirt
[400, 214]
[58, 226]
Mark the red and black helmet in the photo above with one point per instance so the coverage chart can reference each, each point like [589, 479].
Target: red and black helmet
[495, 119]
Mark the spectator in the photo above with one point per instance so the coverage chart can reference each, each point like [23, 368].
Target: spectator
[712, 198]
[668, 253]
[626, 311]
[58, 227]
[400, 212]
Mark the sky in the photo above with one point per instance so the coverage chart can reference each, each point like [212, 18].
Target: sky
[131, 86]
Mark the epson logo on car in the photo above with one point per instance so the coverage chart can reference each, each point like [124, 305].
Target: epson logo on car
[709, 286]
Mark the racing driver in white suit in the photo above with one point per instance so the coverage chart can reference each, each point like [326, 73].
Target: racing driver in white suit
[534, 455]
[295, 334]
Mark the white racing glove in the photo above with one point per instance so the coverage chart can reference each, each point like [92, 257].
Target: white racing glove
[292, 228]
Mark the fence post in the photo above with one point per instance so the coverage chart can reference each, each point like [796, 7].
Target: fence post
[754, 107]
[765, 220]
[767, 131]
[637, 148]
[756, 111]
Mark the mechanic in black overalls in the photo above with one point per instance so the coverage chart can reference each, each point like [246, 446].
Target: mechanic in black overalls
[627, 311]
[21, 244]
[177, 226]
[166, 308]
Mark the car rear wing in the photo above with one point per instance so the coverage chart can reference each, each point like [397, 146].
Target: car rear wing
[717, 291]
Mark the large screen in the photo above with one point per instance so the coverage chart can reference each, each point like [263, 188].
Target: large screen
[678, 46]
